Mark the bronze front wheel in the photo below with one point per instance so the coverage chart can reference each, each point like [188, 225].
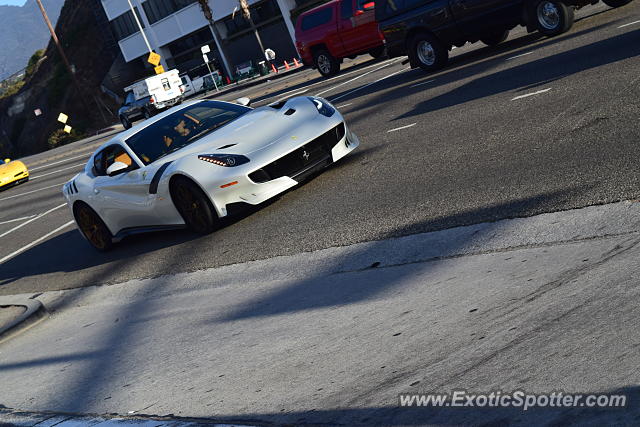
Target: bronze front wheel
[193, 205]
[93, 228]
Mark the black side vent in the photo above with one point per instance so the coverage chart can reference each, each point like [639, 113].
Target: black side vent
[289, 112]
[278, 105]
[226, 146]
[71, 188]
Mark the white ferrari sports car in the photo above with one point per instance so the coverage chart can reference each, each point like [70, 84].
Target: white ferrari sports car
[196, 163]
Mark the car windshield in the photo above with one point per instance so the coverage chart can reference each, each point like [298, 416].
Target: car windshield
[181, 128]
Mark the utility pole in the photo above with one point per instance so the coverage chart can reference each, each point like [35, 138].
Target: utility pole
[144, 35]
[64, 57]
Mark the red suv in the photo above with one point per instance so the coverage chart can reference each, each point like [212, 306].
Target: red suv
[335, 30]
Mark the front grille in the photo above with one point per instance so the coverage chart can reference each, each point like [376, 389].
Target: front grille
[314, 154]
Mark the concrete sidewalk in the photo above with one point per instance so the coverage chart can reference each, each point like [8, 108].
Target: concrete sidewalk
[541, 304]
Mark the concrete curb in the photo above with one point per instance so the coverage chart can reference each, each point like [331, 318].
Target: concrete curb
[34, 312]
[9, 416]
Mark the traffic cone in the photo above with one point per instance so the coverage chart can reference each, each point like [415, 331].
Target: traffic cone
[296, 63]
[228, 81]
[273, 68]
[286, 66]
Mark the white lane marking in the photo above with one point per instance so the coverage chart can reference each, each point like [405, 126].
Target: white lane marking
[423, 83]
[59, 170]
[17, 219]
[402, 127]
[35, 242]
[61, 161]
[368, 84]
[341, 76]
[33, 191]
[344, 105]
[531, 94]
[352, 80]
[518, 56]
[630, 23]
[31, 220]
[285, 96]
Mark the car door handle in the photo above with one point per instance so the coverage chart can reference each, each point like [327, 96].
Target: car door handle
[96, 191]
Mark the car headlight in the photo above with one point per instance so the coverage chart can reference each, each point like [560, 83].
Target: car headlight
[323, 106]
[226, 160]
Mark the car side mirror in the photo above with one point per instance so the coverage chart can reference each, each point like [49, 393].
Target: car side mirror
[243, 101]
[7, 160]
[370, 5]
[117, 168]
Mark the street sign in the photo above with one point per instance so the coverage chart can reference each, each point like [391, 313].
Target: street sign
[205, 49]
[159, 69]
[206, 58]
[154, 59]
[67, 129]
[62, 118]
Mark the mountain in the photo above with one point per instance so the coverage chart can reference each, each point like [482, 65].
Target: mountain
[50, 88]
[22, 32]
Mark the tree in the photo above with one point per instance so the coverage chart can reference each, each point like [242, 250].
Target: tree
[246, 13]
[208, 14]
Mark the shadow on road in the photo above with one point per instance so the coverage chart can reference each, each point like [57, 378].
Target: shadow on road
[483, 60]
[316, 293]
[536, 73]
[99, 371]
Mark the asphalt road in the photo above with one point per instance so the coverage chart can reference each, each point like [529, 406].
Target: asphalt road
[533, 125]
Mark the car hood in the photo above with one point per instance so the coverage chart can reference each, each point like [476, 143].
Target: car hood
[11, 168]
[255, 130]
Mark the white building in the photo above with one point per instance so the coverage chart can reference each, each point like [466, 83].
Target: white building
[177, 29]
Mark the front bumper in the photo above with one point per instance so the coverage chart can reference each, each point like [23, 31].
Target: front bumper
[265, 181]
[16, 179]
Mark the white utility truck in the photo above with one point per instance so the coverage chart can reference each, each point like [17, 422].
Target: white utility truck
[146, 97]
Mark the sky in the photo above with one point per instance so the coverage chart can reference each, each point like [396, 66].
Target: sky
[13, 2]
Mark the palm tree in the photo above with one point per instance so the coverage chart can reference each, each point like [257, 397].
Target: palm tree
[208, 14]
[244, 6]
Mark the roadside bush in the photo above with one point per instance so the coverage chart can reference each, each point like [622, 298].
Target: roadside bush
[60, 137]
[11, 89]
[32, 65]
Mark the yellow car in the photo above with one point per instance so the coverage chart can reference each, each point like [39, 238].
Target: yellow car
[12, 173]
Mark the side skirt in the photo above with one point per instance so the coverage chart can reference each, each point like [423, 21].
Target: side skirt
[148, 229]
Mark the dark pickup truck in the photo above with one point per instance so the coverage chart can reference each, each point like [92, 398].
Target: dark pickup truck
[426, 30]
